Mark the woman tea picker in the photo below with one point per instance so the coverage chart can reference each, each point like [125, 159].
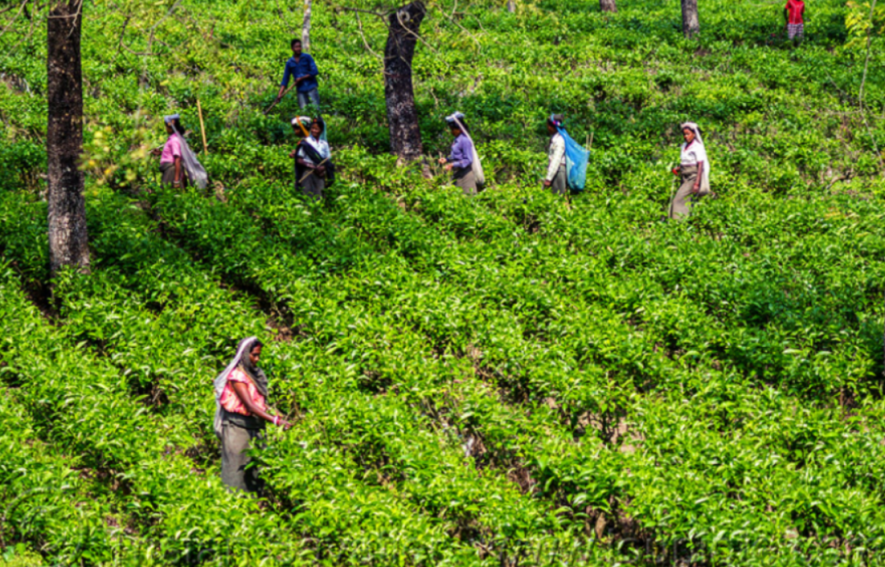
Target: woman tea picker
[460, 160]
[241, 414]
[557, 177]
[313, 165]
[178, 164]
[694, 168]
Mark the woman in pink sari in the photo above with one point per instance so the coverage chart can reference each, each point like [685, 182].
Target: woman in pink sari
[178, 164]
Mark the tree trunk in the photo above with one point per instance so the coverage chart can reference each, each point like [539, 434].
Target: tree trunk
[68, 245]
[690, 23]
[511, 6]
[608, 6]
[305, 27]
[402, 117]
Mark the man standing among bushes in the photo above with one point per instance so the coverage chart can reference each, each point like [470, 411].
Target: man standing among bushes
[304, 69]
[793, 14]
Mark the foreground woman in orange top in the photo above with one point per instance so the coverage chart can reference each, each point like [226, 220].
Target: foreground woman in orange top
[241, 415]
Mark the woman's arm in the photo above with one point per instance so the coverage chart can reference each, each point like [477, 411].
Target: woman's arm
[697, 181]
[177, 178]
[242, 391]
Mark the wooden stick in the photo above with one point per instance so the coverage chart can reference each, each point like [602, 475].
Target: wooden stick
[275, 102]
[202, 127]
[306, 175]
[590, 143]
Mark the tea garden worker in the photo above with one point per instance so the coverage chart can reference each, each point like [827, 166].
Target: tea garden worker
[460, 160]
[556, 177]
[313, 165]
[694, 168]
[241, 414]
[178, 164]
[794, 13]
[304, 69]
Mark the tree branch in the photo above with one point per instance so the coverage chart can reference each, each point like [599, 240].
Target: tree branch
[160, 21]
[381, 15]
[15, 18]
[359, 23]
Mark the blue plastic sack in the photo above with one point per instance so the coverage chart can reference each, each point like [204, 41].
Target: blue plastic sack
[576, 158]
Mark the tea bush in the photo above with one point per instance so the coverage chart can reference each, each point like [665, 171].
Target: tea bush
[509, 379]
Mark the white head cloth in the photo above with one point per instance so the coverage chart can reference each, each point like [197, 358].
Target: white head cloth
[301, 119]
[171, 117]
[456, 118]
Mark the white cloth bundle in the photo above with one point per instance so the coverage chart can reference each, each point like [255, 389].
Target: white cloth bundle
[477, 164]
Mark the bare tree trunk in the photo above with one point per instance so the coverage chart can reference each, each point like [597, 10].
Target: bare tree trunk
[690, 23]
[608, 6]
[511, 6]
[402, 117]
[68, 244]
[305, 28]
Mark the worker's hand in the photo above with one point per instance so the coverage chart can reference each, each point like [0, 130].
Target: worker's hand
[321, 170]
[293, 153]
[442, 160]
[547, 183]
[694, 189]
[156, 151]
[449, 167]
[285, 425]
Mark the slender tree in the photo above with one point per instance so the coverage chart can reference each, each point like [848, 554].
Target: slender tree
[608, 6]
[305, 27]
[68, 243]
[402, 116]
[511, 6]
[690, 23]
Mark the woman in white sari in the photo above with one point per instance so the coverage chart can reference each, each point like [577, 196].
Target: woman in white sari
[694, 168]
[313, 161]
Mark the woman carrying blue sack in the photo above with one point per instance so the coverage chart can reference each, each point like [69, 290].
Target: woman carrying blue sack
[557, 177]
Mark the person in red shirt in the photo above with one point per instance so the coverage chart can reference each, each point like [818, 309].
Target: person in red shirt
[793, 14]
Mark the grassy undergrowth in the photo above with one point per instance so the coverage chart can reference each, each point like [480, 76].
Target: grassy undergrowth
[511, 379]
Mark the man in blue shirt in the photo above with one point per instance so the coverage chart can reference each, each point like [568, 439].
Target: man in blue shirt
[302, 67]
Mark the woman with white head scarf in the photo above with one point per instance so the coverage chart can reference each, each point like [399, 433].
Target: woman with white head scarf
[314, 170]
[556, 177]
[462, 160]
[241, 412]
[694, 167]
[178, 164]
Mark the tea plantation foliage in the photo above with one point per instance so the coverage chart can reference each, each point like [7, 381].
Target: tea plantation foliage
[506, 380]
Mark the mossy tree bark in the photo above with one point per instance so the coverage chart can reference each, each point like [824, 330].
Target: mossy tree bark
[690, 23]
[402, 116]
[68, 242]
